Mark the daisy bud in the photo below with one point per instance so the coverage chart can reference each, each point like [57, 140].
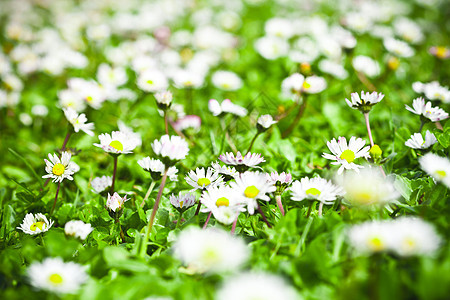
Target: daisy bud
[115, 204]
[182, 202]
[163, 99]
[264, 123]
[375, 153]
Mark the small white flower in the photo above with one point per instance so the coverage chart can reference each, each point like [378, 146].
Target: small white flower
[54, 275]
[211, 250]
[227, 171]
[78, 229]
[190, 121]
[226, 107]
[333, 68]
[172, 148]
[345, 155]
[117, 143]
[156, 168]
[421, 108]
[263, 286]
[250, 160]
[366, 101]
[203, 179]
[226, 80]
[251, 186]
[152, 81]
[71, 99]
[366, 65]
[39, 110]
[223, 202]
[398, 48]
[188, 79]
[282, 178]
[416, 140]
[100, 184]
[182, 201]
[368, 187]
[271, 47]
[278, 27]
[437, 167]
[370, 237]
[432, 90]
[294, 85]
[35, 224]
[134, 137]
[316, 188]
[78, 121]
[59, 169]
[164, 98]
[115, 202]
[408, 30]
[111, 76]
[265, 121]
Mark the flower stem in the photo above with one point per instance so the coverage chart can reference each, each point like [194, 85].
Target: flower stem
[421, 126]
[369, 132]
[198, 208]
[207, 220]
[155, 208]
[309, 209]
[320, 209]
[263, 216]
[56, 198]
[149, 191]
[122, 236]
[111, 191]
[166, 127]
[302, 240]
[279, 203]
[179, 220]
[233, 227]
[297, 118]
[253, 141]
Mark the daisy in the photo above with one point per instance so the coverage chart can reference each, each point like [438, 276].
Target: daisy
[256, 285]
[281, 181]
[188, 79]
[100, 184]
[366, 65]
[211, 250]
[115, 202]
[35, 224]
[437, 167]
[78, 229]
[250, 160]
[345, 155]
[226, 80]
[163, 99]
[111, 76]
[226, 106]
[264, 122]
[227, 171]
[271, 47]
[416, 140]
[183, 201]
[152, 81]
[251, 186]
[398, 48]
[203, 179]
[170, 148]
[440, 52]
[296, 84]
[370, 237]
[188, 122]
[78, 121]
[116, 143]
[154, 166]
[433, 114]
[54, 275]
[59, 169]
[316, 188]
[365, 103]
[223, 202]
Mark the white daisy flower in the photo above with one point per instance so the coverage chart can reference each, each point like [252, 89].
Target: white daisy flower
[78, 121]
[227, 171]
[203, 179]
[226, 80]
[425, 110]
[78, 229]
[366, 101]
[171, 148]
[263, 286]
[211, 250]
[432, 90]
[164, 99]
[278, 27]
[345, 155]
[54, 275]
[316, 188]
[71, 99]
[152, 81]
[117, 143]
[264, 122]
[408, 30]
[314, 84]
[226, 106]
[156, 168]
[115, 202]
[370, 237]
[296, 84]
[188, 122]
[368, 187]
[398, 48]
[250, 160]
[416, 140]
[188, 79]
[100, 184]
[223, 202]
[59, 169]
[366, 65]
[440, 52]
[414, 236]
[111, 76]
[183, 201]
[437, 167]
[271, 47]
[35, 224]
[251, 186]
[282, 178]
[333, 68]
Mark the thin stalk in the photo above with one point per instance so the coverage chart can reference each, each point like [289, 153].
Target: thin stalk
[297, 118]
[302, 240]
[263, 215]
[198, 208]
[56, 198]
[253, 141]
[320, 209]
[233, 227]
[149, 191]
[122, 236]
[309, 209]
[227, 136]
[179, 220]
[369, 132]
[207, 220]
[279, 203]
[364, 80]
[111, 191]
[421, 126]
[166, 126]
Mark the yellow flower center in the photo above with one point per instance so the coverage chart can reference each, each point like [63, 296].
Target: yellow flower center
[89, 99]
[363, 197]
[441, 51]
[306, 85]
[203, 182]
[37, 225]
[226, 85]
[150, 81]
[409, 243]
[55, 279]
[376, 244]
[58, 169]
[116, 145]
[222, 202]
[348, 155]
[441, 174]
[312, 192]
[181, 204]
[251, 192]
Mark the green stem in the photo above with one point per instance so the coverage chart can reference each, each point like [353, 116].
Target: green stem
[301, 243]
[179, 220]
[149, 191]
[253, 141]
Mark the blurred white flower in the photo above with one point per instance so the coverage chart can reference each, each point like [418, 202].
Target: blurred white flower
[226, 80]
[366, 65]
[416, 141]
[437, 167]
[152, 81]
[100, 184]
[315, 188]
[271, 47]
[278, 27]
[78, 121]
[425, 110]
[78, 229]
[265, 121]
[398, 48]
